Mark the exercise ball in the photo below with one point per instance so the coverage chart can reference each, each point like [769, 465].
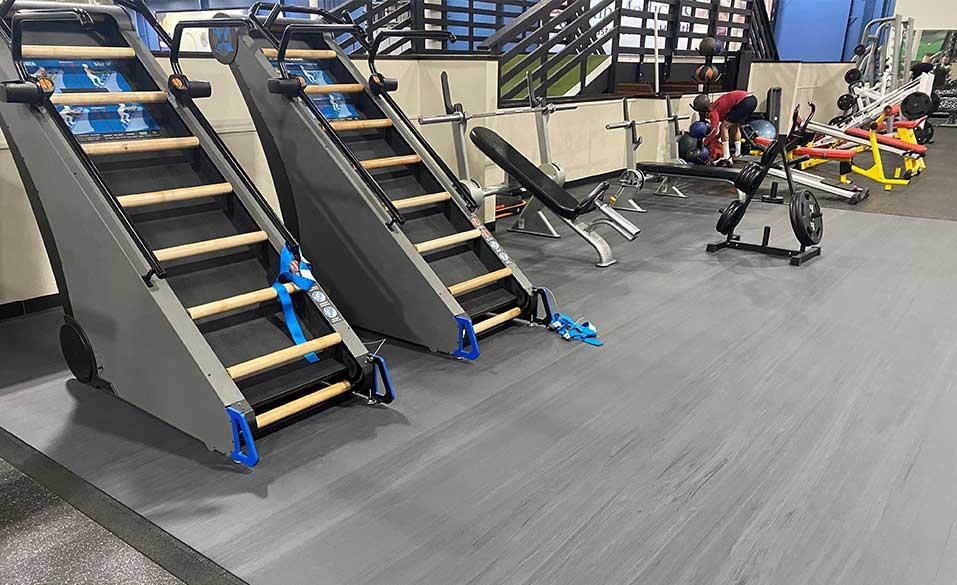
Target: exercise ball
[706, 74]
[764, 129]
[699, 129]
[701, 103]
[709, 47]
[700, 155]
[685, 145]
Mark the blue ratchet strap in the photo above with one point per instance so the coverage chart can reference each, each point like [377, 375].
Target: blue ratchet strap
[569, 329]
[289, 313]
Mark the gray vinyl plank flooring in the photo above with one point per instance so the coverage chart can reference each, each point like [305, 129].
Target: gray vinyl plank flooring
[747, 422]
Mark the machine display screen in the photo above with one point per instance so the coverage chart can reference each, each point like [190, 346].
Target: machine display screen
[334, 106]
[121, 121]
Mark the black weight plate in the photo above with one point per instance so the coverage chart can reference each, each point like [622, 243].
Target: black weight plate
[860, 50]
[731, 216]
[749, 178]
[807, 221]
[928, 132]
[853, 76]
[846, 102]
[917, 105]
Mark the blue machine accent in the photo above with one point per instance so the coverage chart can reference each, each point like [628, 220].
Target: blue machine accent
[466, 334]
[249, 457]
[381, 370]
[289, 312]
[570, 329]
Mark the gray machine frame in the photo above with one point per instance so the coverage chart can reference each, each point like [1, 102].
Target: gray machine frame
[146, 345]
[380, 279]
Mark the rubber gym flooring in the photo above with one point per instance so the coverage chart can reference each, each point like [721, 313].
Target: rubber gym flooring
[746, 422]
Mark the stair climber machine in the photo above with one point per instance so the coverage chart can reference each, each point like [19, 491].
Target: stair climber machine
[406, 255]
[533, 219]
[183, 293]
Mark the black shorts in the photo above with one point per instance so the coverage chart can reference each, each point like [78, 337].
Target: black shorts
[741, 112]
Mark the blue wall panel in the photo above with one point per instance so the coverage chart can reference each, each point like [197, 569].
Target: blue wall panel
[812, 30]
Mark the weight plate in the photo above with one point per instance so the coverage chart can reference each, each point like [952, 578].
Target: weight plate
[928, 132]
[731, 216]
[917, 105]
[749, 178]
[846, 102]
[853, 76]
[860, 50]
[807, 221]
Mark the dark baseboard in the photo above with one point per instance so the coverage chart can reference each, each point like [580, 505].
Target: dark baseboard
[34, 305]
[173, 555]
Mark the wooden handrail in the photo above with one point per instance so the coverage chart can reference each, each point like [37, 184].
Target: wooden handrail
[345, 125]
[108, 98]
[334, 88]
[283, 356]
[74, 52]
[421, 200]
[446, 241]
[300, 404]
[301, 53]
[170, 195]
[207, 246]
[479, 281]
[145, 145]
[238, 301]
[391, 161]
[497, 320]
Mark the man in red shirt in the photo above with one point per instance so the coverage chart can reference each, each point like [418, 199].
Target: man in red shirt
[727, 114]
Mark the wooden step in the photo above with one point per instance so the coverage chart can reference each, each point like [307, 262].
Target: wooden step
[346, 125]
[170, 195]
[301, 54]
[108, 98]
[300, 404]
[391, 161]
[479, 281]
[334, 88]
[72, 52]
[207, 246]
[446, 241]
[283, 356]
[421, 200]
[238, 302]
[483, 326]
[145, 145]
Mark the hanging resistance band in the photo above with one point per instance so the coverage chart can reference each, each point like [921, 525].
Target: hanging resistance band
[303, 280]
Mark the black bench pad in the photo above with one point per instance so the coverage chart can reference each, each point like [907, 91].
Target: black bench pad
[528, 175]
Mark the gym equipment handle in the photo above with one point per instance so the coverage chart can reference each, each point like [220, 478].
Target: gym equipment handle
[426, 120]
[278, 9]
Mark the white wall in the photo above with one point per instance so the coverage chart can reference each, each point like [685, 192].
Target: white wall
[931, 14]
[579, 142]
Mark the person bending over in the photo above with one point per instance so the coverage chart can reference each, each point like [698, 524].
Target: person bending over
[727, 114]
[926, 65]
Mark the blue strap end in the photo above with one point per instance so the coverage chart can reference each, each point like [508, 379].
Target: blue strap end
[466, 339]
[381, 372]
[242, 436]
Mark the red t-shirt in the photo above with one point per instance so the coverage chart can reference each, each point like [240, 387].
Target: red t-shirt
[721, 106]
[719, 111]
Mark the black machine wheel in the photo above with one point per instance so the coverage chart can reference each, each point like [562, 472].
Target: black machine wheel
[730, 217]
[77, 351]
[807, 221]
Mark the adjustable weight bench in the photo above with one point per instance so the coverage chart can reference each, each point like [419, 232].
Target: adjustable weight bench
[556, 199]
